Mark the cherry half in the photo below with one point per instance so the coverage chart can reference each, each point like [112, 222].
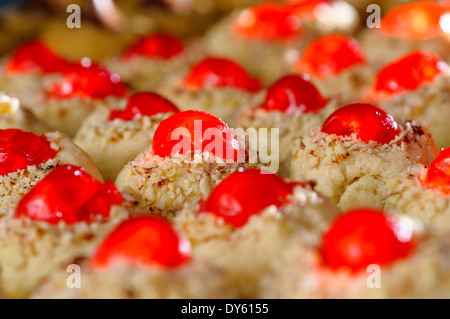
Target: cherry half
[293, 93]
[156, 46]
[330, 55]
[19, 149]
[243, 194]
[366, 121]
[438, 173]
[220, 73]
[195, 131]
[410, 72]
[143, 104]
[144, 241]
[418, 20]
[305, 9]
[268, 21]
[69, 194]
[88, 79]
[35, 55]
[362, 237]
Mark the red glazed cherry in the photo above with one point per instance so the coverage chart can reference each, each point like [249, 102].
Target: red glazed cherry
[410, 72]
[193, 131]
[155, 46]
[366, 121]
[19, 149]
[305, 9]
[417, 20]
[143, 104]
[245, 193]
[329, 55]
[142, 241]
[268, 21]
[35, 55]
[363, 237]
[88, 80]
[438, 174]
[69, 194]
[217, 72]
[292, 93]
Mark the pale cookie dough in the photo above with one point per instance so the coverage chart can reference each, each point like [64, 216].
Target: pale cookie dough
[354, 173]
[278, 146]
[221, 102]
[163, 185]
[350, 83]
[112, 144]
[146, 74]
[427, 104]
[407, 195]
[13, 115]
[382, 48]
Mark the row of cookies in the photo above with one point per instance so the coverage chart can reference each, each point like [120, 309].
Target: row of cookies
[351, 153]
[162, 183]
[249, 235]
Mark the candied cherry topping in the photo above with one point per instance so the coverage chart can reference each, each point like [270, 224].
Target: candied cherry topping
[88, 79]
[19, 149]
[292, 93]
[366, 121]
[158, 46]
[36, 55]
[410, 72]
[269, 21]
[195, 131]
[306, 9]
[243, 194]
[143, 104]
[219, 72]
[69, 194]
[362, 237]
[144, 241]
[417, 20]
[438, 174]
[329, 55]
